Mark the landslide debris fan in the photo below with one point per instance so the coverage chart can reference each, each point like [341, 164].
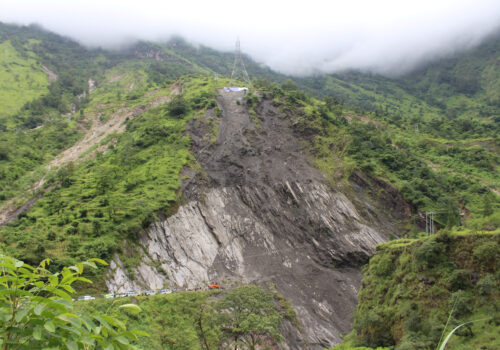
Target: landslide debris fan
[257, 211]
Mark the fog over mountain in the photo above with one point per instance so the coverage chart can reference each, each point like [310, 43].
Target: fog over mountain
[385, 36]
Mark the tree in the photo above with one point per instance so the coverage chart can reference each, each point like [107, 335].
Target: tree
[177, 107]
[487, 205]
[205, 319]
[36, 311]
[247, 315]
[288, 85]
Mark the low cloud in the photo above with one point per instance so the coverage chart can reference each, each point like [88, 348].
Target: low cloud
[384, 36]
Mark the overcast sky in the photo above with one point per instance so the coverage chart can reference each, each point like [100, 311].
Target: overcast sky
[296, 37]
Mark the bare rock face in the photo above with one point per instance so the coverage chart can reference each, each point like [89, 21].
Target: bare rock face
[260, 213]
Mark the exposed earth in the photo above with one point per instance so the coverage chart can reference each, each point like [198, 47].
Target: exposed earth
[257, 211]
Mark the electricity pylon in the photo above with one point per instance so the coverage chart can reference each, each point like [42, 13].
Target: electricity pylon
[239, 70]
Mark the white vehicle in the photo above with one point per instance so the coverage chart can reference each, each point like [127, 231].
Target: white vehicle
[88, 297]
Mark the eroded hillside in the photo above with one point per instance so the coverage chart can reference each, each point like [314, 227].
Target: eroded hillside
[255, 210]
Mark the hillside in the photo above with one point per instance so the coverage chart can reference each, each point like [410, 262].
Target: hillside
[139, 157]
[413, 289]
[443, 115]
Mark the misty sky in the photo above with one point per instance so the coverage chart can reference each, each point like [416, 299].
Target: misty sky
[384, 36]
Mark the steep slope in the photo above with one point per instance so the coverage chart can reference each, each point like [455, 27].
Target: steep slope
[413, 290]
[257, 211]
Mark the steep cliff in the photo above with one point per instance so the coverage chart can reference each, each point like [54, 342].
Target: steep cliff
[257, 211]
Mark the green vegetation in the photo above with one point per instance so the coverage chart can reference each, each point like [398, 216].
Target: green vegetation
[22, 79]
[93, 206]
[455, 97]
[22, 152]
[411, 292]
[37, 311]
[246, 326]
[202, 320]
[447, 176]
[432, 133]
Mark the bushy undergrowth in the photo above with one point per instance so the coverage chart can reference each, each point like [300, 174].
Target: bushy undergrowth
[430, 279]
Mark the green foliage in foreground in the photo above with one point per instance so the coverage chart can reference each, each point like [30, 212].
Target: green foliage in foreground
[37, 311]
[204, 320]
[410, 288]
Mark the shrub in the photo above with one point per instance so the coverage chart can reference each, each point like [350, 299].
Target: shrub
[487, 255]
[372, 330]
[459, 279]
[487, 285]
[384, 266]
[460, 302]
[251, 99]
[288, 85]
[413, 322]
[177, 107]
[428, 254]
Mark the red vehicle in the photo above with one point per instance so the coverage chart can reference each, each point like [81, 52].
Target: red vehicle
[214, 285]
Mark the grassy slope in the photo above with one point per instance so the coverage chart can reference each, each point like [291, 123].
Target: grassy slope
[220, 62]
[463, 85]
[31, 138]
[22, 79]
[410, 287]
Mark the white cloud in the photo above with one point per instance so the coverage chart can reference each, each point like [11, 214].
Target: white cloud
[294, 37]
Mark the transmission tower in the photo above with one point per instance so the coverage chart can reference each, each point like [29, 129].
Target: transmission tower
[239, 70]
[429, 222]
